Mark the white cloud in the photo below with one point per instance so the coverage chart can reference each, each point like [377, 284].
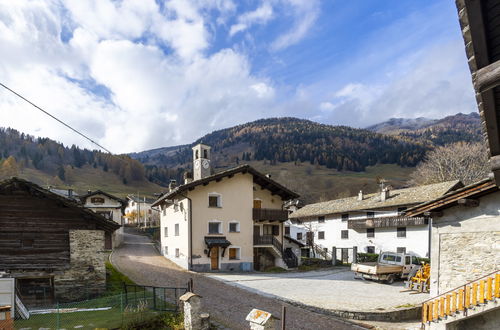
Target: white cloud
[305, 13]
[161, 87]
[261, 15]
[434, 84]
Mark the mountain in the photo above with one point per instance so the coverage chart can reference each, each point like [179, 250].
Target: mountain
[47, 162]
[295, 140]
[456, 128]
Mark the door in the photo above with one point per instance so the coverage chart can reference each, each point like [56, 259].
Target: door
[214, 258]
[345, 255]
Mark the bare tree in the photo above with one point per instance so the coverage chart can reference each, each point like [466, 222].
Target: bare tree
[467, 162]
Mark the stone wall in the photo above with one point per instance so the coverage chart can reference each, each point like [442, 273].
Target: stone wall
[86, 276]
[465, 257]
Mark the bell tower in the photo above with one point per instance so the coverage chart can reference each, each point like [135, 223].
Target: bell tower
[201, 161]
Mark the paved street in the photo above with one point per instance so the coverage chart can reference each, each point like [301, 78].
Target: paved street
[331, 289]
[228, 305]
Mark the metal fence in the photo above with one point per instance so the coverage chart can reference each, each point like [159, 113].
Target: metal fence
[135, 305]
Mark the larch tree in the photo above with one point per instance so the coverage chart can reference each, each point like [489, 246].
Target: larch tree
[467, 162]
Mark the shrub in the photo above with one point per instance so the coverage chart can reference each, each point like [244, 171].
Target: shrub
[367, 257]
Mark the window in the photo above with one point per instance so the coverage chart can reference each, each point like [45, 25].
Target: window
[176, 229]
[370, 249]
[407, 260]
[97, 200]
[370, 232]
[27, 243]
[321, 219]
[287, 230]
[234, 253]
[205, 153]
[370, 215]
[106, 214]
[345, 216]
[401, 231]
[166, 250]
[299, 236]
[271, 230]
[214, 228]
[401, 210]
[149, 211]
[321, 235]
[344, 234]
[177, 253]
[234, 227]
[166, 232]
[401, 250]
[214, 201]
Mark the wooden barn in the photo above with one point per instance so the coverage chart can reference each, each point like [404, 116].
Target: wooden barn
[53, 247]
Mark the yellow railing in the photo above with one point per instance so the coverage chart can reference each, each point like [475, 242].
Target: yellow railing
[477, 292]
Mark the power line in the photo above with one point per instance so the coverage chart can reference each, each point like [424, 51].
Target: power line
[59, 120]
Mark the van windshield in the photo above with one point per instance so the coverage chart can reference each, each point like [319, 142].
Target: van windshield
[390, 258]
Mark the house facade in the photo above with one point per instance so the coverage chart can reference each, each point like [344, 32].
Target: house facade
[139, 211]
[229, 221]
[369, 223]
[110, 207]
[53, 247]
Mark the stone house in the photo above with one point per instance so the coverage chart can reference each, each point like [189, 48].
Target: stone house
[111, 208]
[52, 246]
[465, 243]
[229, 221]
[371, 223]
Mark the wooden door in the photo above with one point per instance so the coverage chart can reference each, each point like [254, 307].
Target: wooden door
[257, 203]
[214, 258]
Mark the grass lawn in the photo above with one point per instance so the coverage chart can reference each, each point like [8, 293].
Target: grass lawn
[118, 314]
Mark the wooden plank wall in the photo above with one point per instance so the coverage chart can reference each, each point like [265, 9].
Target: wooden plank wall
[40, 222]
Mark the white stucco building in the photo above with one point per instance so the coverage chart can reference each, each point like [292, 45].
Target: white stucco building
[139, 211]
[372, 223]
[230, 221]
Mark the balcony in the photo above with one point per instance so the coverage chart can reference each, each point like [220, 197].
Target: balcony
[268, 240]
[386, 222]
[269, 215]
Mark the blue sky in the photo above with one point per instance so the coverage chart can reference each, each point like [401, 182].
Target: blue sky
[145, 74]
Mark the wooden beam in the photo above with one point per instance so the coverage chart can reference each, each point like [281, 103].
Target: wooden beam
[488, 77]
[433, 214]
[468, 202]
[477, 33]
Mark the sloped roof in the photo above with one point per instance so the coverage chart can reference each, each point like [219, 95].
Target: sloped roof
[397, 197]
[258, 178]
[65, 193]
[33, 188]
[477, 189]
[481, 33]
[100, 192]
[137, 199]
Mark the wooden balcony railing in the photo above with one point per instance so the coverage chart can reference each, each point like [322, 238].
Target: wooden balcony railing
[386, 222]
[478, 292]
[268, 240]
[269, 215]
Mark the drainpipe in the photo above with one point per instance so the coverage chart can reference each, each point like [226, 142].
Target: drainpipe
[190, 219]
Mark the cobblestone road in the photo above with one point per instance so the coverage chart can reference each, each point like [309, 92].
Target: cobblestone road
[228, 305]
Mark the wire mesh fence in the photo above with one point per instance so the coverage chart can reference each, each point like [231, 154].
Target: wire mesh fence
[109, 312]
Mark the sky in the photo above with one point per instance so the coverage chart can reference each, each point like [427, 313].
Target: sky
[143, 74]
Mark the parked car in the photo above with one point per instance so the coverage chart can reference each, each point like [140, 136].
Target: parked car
[390, 266]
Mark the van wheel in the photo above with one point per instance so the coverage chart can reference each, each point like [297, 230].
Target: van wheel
[390, 279]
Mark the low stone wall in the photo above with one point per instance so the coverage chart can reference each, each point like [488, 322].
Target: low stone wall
[86, 276]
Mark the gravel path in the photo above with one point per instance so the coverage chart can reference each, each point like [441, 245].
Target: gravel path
[228, 305]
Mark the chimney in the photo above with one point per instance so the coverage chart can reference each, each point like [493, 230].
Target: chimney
[70, 193]
[360, 195]
[384, 194]
[188, 177]
[89, 191]
[172, 184]
[268, 175]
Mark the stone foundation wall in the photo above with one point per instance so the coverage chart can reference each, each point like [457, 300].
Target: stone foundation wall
[86, 276]
[466, 256]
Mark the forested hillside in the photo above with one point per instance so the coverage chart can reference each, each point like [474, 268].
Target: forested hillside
[297, 140]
